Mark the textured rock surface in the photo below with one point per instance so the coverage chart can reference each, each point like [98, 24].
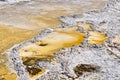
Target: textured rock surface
[80, 62]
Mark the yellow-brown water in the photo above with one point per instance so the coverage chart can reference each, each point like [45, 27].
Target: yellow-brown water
[96, 37]
[21, 22]
[6, 75]
[5, 72]
[8, 37]
[35, 17]
[53, 42]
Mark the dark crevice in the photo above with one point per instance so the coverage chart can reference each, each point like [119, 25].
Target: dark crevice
[81, 68]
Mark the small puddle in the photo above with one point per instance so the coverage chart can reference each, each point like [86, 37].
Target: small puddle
[96, 37]
[53, 42]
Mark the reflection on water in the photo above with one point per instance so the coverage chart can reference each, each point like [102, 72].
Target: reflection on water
[96, 37]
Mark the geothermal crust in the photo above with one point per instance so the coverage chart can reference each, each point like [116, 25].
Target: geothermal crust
[83, 61]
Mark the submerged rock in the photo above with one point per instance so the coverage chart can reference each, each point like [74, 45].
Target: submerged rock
[81, 68]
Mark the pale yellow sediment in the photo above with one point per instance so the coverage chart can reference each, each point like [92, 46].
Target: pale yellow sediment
[53, 42]
[5, 73]
[8, 37]
[96, 37]
[85, 26]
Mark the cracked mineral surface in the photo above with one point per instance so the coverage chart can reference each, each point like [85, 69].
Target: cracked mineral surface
[76, 40]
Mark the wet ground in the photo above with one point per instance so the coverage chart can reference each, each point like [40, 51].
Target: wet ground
[21, 21]
[37, 15]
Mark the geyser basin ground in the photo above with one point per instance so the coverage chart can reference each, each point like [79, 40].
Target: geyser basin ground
[53, 42]
[97, 57]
